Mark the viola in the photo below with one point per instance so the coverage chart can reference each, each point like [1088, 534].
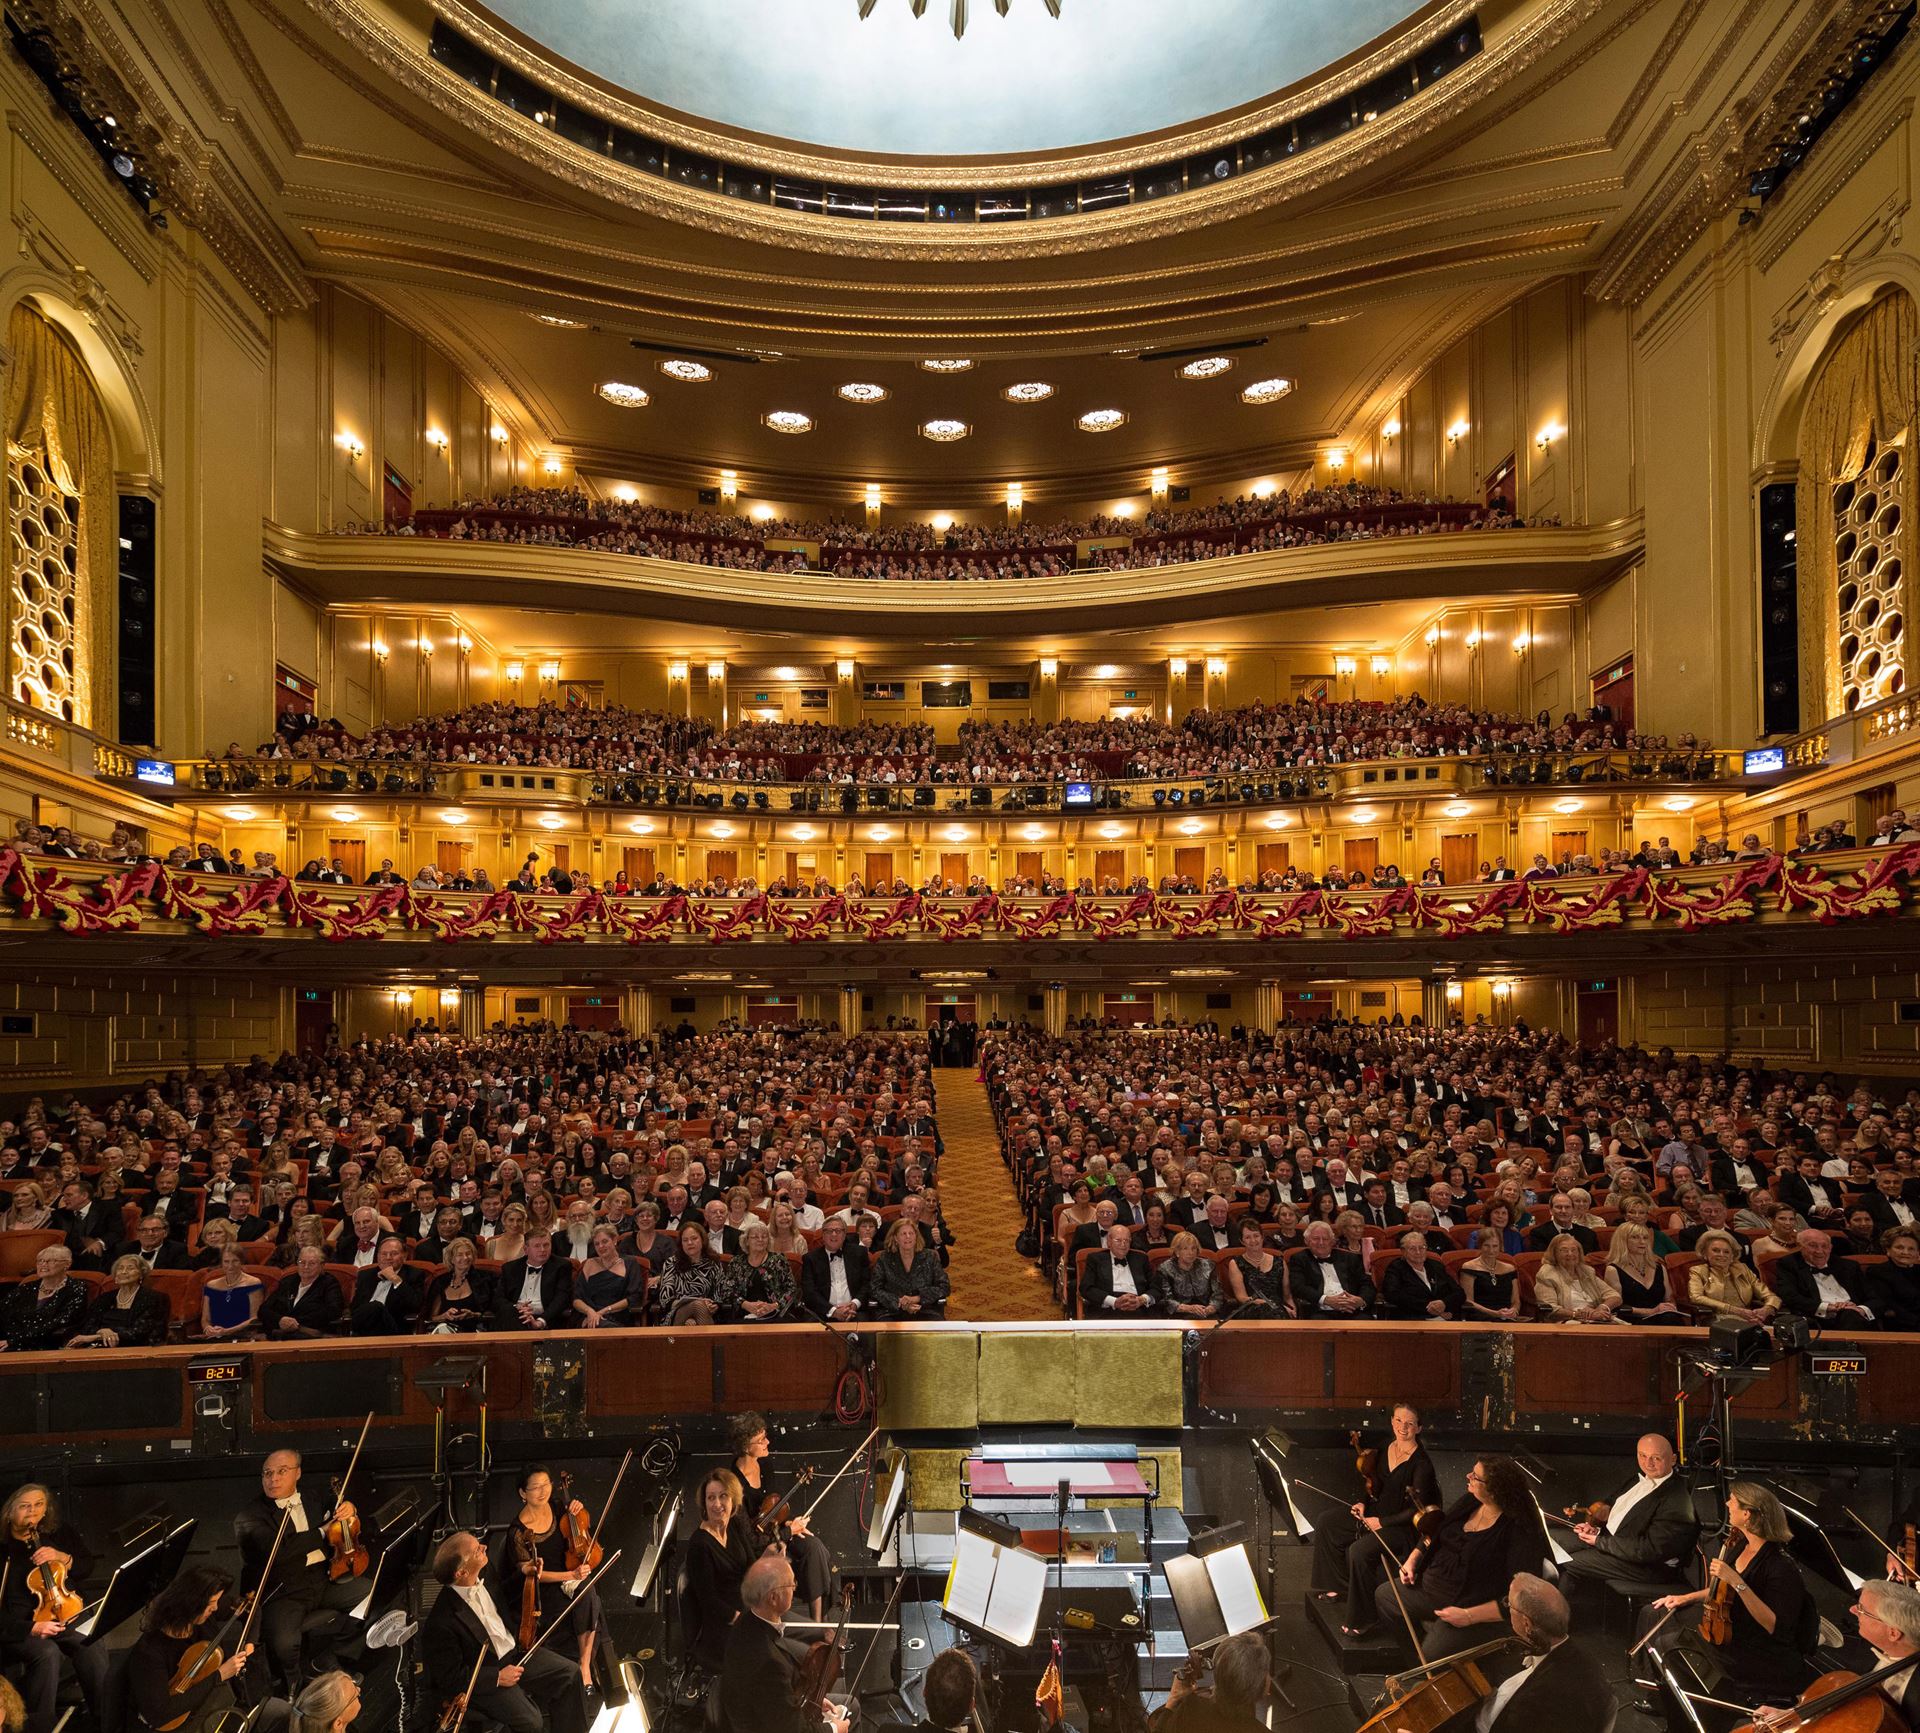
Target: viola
[53, 1602]
[529, 1585]
[1595, 1513]
[776, 1511]
[1908, 1552]
[582, 1535]
[199, 1661]
[1366, 1464]
[1716, 1612]
[819, 1671]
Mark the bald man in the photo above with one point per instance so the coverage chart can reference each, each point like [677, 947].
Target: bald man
[1559, 1685]
[304, 1627]
[1648, 1533]
[757, 1677]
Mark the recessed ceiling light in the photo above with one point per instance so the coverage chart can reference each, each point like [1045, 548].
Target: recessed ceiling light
[862, 392]
[687, 372]
[1028, 391]
[1457, 809]
[1207, 367]
[557, 322]
[951, 364]
[623, 396]
[879, 833]
[1112, 832]
[1102, 420]
[944, 432]
[1267, 391]
[1278, 821]
[787, 421]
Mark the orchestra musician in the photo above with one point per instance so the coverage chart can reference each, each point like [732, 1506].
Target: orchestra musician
[717, 1560]
[1887, 1616]
[32, 1534]
[181, 1615]
[1773, 1621]
[1241, 1679]
[304, 1624]
[1559, 1684]
[758, 1691]
[536, 1541]
[1348, 1557]
[1453, 1584]
[812, 1564]
[330, 1704]
[950, 1687]
[1648, 1532]
[465, 1622]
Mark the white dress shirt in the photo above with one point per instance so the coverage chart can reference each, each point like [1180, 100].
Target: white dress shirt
[1495, 1706]
[1122, 1281]
[297, 1521]
[530, 1288]
[1641, 1489]
[480, 1604]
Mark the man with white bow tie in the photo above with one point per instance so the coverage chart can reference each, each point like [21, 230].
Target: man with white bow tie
[304, 1627]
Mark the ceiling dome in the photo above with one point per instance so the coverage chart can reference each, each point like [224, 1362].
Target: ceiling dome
[813, 72]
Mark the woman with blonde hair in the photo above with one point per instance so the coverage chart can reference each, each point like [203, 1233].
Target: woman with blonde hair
[27, 1212]
[1638, 1279]
[511, 1241]
[1565, 1288]
[1721, 1285]
[785, 1235]
[230, 1300]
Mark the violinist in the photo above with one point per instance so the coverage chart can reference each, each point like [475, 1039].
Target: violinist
[33, 1538]
[331, 1704]
[1452, 1584]
[177, 1619]
[1645, 1535]
[1772, 1623]
[536, 1545]
[304, 1624]
[465, 1622]
[1348, 1557]
[1558, 1685]
[950, 1688]
[759, 1674]
[1241, 1680]
[812, 1564]
[717, 1560]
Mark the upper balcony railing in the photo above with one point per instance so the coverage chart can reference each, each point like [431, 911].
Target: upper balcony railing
[547, 786]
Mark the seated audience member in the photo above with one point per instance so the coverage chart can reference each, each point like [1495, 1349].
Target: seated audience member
[1638, 1280]
[1328, 1282]
[611, 1289]
[536, 1288]
[130, 1314]
[1566, 1288]
[1821, 1287]
[907, 1281]
[461, 1299]
[1721, 1286]
[1187, 1285]
[1115, 1281]
[693, 1283]
[387, 1300]
[1415, 1287]
[308, 1301]
[764, 1291]
[42, 1314]
[1895, 1285]
[230, 1299]
[834, 1276]
[1561, 1220]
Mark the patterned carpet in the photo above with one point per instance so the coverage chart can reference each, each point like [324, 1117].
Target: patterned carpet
[991, 1282]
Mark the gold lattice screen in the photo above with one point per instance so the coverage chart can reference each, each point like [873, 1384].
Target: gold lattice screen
[46, 663]
[1869, 512]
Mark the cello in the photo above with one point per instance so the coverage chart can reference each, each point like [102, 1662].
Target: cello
[1446, 1688]
[1842, 1702]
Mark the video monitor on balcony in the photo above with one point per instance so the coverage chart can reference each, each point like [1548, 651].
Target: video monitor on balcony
[1079, 794]
[157, 771]
[1764, 760]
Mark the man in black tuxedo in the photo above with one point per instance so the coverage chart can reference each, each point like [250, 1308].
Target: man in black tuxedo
[536, 1289]
[1329, 1283]
[1215, 1230]
[1241, 1682]
[1115, 1282]
[950, 1687]
[1649, 1531]
[464, 1624]
[303, 1625]
[1560, 1685]
[1560, 1221]
[1821, 1287]
[1088, 1236]
[1891, 1201]
[758, 1685]
[308, 1301]
[155, 1247]
[1377, 1209]
[834, 1274]
[1335, 1178]
[387, 1300]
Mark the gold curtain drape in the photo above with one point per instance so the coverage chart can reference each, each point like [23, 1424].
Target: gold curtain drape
[51, 406]
[1864, 393]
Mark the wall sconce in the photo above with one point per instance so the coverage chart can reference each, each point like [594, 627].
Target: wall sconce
[1345, 667]
[514, 670]
[1016, 495]
[1390, 430]
[626, 493]
[873, 496]
[1049, 668]
[1337, 458]
[379, 649]
[1520, 643]
[450, 996]
[1264, 490]
[1432, 636]
[844, 668]
[1502, 989]
[1216, 667]
[1459, 431]
[549, 670]
[401, 996]
[762, 513]
[677, 671]
[1159, 483]
[1381, 666]
[437, 439]
[425, 647]
[552, 466]
[716, 672]
[723, 829]
[465, 644]
[1177, 667]
[351, 446]
[1548, 434]
[1565, 807]
[1473, 639]
[497, 434]
[729, 486]
[1455, 990]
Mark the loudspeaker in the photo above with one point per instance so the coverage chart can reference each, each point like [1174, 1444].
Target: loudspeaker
[136, 619]
[1779, 611]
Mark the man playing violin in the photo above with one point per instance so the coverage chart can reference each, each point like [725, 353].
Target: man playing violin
[305, 1624]
[1241, 1680]
[1645, 1535]
[32, 1536]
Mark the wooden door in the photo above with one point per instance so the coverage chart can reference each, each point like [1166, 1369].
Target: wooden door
[954, 866]
[1030, 864]
[560, 854]
[1128, 1007]
[722, 863]
[1360, 854]
[1567, 844]
[1273, 857]
[351, 852]
[1460, 857]
[1598, 1006]
[879, 869]
[1190, 863]
[453, 857]
[1614, 689]
[638, 865]
[802, 869]
[1109, 863]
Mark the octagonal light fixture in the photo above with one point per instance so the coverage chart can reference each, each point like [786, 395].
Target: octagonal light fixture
[863, 391]
[946, 364]
[944, 430]
[622, 395]
[1263, 391]
[687, 372]
[787, 421]
[1028, 391]
[1206, 367]
[1102, 420]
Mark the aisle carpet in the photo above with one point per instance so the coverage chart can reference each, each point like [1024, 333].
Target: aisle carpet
[990, 1280]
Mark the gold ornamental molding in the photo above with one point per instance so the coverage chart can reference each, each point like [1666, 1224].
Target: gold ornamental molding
[401, 57]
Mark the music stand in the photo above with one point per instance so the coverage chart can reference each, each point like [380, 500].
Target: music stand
[666, 1519]
[886, 1509]
[135, 1581]
[994, 1586]
[391, 1569]
[1214, 1592]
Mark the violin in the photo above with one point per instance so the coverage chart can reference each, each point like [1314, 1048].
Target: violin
[776, 1510]
[1907, 1552]
[342, 1532]
[1366, 1464]
[1716, 1612]
[819, 1672]
[53, 1602]
[583, 1536]
[1428, 1520]
[199, 1661]
[1595, 1513]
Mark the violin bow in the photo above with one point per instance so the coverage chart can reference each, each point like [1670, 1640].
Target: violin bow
[613, 1492]
[806, 1515]
[260, 1588]
[1899, 1564]
[1393, 1579]
[353, 1462]
[1658, 1626]
[554, 1624]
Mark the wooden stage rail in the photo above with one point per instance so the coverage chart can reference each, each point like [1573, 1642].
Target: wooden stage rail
[1571, 1381]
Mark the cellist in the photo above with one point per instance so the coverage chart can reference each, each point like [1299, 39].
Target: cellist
[758, 1677]
[32, 1536]
[1887, 1616]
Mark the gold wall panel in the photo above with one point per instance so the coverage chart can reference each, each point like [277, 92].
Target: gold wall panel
[1026, 1381]
[928, 1383]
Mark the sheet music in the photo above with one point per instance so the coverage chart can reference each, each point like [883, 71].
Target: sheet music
[1029, 1476]
[1019, 1586]
[970, 1578]
[1231, 1573]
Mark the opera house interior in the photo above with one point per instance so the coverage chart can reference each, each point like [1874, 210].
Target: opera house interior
[874, 864]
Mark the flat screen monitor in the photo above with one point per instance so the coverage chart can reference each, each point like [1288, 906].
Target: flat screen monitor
[1079, 794]
[157, 771]
[1762, 760]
